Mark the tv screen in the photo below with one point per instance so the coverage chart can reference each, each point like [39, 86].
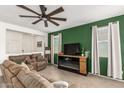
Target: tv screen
[72, 49]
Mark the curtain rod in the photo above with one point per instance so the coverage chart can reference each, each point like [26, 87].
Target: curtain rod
[102, 26]
[106, 25]
[99, 26]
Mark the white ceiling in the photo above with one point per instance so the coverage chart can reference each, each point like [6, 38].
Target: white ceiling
[75, 14]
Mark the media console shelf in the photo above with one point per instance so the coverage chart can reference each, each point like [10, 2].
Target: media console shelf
[73, 63]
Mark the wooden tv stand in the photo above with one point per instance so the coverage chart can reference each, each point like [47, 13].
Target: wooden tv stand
[73, 63]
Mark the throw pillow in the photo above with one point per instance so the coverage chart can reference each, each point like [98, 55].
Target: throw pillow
[33, 60]
[27, 60]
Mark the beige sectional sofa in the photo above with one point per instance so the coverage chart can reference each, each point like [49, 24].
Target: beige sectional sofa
[18, 76]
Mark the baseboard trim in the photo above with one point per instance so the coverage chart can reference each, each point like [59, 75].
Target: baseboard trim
[54, 65]
[107, 77]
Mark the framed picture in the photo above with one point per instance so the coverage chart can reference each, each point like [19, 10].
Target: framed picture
[39, 44]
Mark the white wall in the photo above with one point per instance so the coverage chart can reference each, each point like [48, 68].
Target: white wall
[3, 29]
[2, 42]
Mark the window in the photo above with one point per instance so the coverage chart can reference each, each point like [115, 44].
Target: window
[102, 41]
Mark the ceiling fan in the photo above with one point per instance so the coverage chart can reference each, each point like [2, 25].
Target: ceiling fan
[43, 16]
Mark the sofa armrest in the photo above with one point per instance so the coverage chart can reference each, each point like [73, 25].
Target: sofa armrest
[44, 60]
[60, 84]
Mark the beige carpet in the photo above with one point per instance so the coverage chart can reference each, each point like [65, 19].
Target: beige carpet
[90, 81]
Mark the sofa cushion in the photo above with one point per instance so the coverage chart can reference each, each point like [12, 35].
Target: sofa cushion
[2, 69]
[9, 76]
[18, 59]
[27, 60]
[7, 63]
[39, 58]
[31, 79]
[16, 68]
[24, 65]
[34, 65]
[3, 72]
[16, 83]
[41, 63]
[33, 60]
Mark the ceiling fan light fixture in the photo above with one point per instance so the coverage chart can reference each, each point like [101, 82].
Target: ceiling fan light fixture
[44, 19]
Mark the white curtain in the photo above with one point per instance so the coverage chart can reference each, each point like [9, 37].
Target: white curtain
[95, 58]
[52, 47]
[114, 59]
[60, 42]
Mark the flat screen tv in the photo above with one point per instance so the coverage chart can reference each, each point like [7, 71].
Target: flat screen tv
[72, 49]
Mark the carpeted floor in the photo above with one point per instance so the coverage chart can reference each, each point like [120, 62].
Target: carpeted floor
[76, 80]
[80, 81]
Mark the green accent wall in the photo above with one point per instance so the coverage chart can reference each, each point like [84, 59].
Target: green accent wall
[103, 66]
[82, 34]
[55, 58]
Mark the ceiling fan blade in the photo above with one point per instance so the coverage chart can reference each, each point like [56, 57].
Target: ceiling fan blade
[53, 22]
[45, 22]
[57, 18]
[42, 8]
[56, 11]
[26, 8]
[29, 16]
[36, 21]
